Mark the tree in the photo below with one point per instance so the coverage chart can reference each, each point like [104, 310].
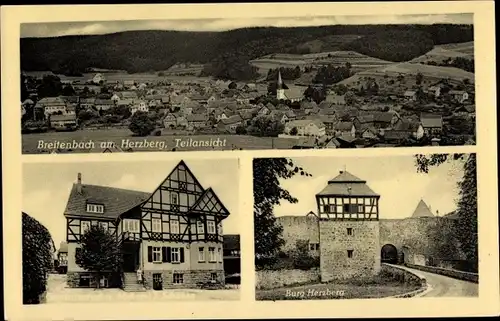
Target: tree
[418, 78]
[294, 131]
[50, 86]
[100, 252]
[37, 258]
[267, 191]
[141, 124]
[301, 256]
[265, 126]
[240, 130]
[465, 231]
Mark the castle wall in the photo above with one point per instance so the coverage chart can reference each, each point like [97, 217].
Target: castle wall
[335, 244]
[299, 228]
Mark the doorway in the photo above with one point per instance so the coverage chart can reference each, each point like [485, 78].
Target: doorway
[389, 254]
[157, 281]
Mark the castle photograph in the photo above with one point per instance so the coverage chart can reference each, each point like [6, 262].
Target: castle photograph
[372, 227]
[137, 231]
[261, 83]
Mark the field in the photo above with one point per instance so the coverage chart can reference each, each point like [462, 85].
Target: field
[359, 62]
[120, 76]
[114, 137]
[430, 73]
[440, 53]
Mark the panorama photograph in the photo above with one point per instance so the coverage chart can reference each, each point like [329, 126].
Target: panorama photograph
[236, 84]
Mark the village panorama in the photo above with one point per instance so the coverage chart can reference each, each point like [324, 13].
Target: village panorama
[340, 86]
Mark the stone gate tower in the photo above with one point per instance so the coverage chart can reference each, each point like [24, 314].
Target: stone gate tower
[348, 228]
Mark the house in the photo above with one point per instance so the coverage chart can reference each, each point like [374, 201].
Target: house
[410, 95]
[87, 103]
[279, 116]
[62, 258]
[459, 95]
[306, 127]
[230, 124]
[231, 255]
[182, 121]
[141, 106]
[197, 120]
[432, 124]
[70, 110]
[127, 95]
[63, 122]
[170, 121]
[410, 128]
[173, 235]
[335, 99]
[51, 105]
[115, 98]
[129, 83]
[98, 78]
[264, 111]
[434, 91]
[344, 128]
[369, 133]
[104, 104]
[221, 114]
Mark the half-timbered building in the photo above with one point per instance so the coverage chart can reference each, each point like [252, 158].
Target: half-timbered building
[173, 235]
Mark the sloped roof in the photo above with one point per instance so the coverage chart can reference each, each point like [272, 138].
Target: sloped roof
[422, 210]
[346, 184]
[431, 120]
[115, 200]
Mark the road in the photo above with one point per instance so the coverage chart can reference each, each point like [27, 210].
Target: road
[443, 286]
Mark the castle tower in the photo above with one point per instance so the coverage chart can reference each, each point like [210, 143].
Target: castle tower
[422, 210]
[348, 228]
[280, 91]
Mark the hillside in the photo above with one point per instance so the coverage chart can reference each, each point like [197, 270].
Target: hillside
[226, 54]
[409, 71]
[443, 52]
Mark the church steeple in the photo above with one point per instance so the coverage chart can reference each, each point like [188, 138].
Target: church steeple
[280, 82]
[280, 91]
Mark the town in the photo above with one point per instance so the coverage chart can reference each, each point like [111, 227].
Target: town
[328, 100]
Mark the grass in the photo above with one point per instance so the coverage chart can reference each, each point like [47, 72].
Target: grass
[30, 141]
[357, 288]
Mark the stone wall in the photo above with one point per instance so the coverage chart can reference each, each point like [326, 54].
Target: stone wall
[466, 276]
[403, 275]
[335, 243]
[190, 278]
[274, 279]
[299, 228]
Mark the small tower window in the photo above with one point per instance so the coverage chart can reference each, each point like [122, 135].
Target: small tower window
[95, 208]
[350, 253]
[349, 231]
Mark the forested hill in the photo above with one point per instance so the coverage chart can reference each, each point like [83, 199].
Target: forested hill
[227, 53]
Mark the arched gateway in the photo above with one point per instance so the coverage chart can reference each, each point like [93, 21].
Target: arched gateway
[389, 254]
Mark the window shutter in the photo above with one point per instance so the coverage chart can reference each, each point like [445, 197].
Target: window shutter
[169, 254]
[164, 254]
[182, 254]
[150, 254]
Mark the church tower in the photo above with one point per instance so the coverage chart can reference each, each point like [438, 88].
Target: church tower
[348, 228]
[280, 91]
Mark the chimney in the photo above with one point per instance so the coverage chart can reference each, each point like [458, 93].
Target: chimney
[79, 183]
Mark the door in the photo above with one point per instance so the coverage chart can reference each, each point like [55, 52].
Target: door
[129, 262]
[157, 281]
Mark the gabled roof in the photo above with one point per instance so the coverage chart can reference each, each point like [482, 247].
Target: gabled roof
[346, 184]
[115, 200]
[209, 202]
[422, 210]
[431, 120]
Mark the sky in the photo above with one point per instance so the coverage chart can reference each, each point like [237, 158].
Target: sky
[46, 186]
[55, 29]
[394, 178]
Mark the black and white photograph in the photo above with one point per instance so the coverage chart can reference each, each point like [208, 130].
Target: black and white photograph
[366, 227]
[238, 84]
[130, 231]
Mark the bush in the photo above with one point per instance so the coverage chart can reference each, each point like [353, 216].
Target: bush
[157, 132]
[141, 124]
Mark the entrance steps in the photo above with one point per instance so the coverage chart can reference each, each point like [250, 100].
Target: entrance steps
[130, 283]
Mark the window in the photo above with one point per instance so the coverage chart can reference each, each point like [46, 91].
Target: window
[156, 254]
[131, 225]
[201, 227]
[104, 225]
[211, 254]
[350, 208]
[349, 231]
[211, 227]
[178, 278]
[95, 208]
[220, 254]
[219, 229]
[174, 198]
[201, 254]
[174, 227]
[311, 246]
[317, 246]
[175, 256]
[85, 226]
[350, 253]
[103, 282]
[213, 277]
[156, 225]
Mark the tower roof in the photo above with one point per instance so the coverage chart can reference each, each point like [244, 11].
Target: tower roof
[280, 82]
[346, 184]
[422, 210]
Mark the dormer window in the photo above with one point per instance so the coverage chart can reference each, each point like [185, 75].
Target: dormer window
[95, 208]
